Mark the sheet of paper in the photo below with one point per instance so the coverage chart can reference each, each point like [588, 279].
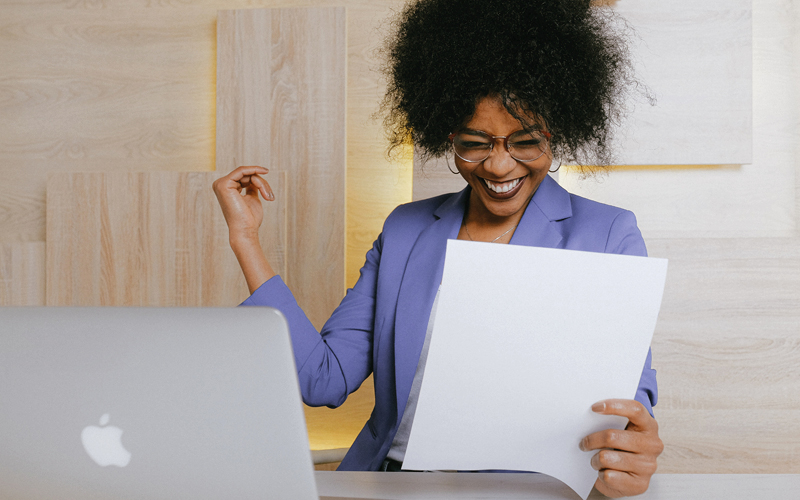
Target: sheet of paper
[524, 341]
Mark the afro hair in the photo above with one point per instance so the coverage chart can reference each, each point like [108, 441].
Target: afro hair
[562, 62]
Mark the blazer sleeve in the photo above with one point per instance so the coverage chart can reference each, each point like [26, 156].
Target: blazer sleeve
[625, 238]
[332, 363]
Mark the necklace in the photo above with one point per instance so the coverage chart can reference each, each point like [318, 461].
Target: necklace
[494, 240]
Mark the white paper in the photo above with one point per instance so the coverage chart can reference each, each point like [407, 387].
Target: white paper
[525, 340]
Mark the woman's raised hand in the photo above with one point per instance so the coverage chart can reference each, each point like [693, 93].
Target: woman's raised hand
[243, 211]
[627, 458]
[243, 214]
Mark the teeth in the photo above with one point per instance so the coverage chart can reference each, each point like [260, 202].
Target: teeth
[502, 187]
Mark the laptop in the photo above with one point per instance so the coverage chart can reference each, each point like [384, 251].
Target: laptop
[150, 403]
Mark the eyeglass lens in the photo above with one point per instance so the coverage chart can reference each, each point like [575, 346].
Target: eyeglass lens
[475, 146]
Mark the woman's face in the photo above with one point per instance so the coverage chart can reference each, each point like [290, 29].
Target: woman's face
[501, 185]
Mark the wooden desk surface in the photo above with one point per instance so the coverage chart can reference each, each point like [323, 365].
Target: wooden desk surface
[441, 486]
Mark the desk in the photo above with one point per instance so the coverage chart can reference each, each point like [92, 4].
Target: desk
[448, 486]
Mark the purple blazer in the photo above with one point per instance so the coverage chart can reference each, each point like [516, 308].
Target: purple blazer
[380, 325]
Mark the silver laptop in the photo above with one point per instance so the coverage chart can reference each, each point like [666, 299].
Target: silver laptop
[150, 403]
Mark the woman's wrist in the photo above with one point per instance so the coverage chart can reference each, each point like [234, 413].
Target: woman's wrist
[254, 264]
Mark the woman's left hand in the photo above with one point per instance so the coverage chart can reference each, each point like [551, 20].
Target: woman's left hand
[627, 458]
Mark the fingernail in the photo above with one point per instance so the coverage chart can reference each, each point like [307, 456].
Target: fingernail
[582, 445]
[599, 407]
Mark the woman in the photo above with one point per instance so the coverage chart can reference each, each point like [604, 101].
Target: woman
[505, 87]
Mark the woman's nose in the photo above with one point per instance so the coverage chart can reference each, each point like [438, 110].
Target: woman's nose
[499, 161]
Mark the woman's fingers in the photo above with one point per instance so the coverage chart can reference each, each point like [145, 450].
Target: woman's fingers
[246, 177]
[627, 458]
[629, 440]
[611, 438]
[624, 461]
[245, 171]
[261, 186]
[615, 484]
[628, 408]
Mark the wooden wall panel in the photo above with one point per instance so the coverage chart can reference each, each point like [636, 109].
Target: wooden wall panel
[758, 200]
[731, 441]
[127, 85]
[281, 104]
[22, 274]
[433, 177]
[147, 239]
[101, 87]
[727, 352]
[696, 58]
[375, 184]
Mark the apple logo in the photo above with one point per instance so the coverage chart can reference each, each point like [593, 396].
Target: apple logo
[104, 445]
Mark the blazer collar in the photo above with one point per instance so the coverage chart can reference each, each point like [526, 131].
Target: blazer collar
[550, 203]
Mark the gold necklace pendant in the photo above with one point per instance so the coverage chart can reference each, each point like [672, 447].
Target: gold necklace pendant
[494, 240]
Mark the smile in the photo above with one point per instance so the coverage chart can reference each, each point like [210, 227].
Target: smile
[503, 189]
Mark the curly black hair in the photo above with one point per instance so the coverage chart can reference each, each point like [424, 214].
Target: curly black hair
[565, 62]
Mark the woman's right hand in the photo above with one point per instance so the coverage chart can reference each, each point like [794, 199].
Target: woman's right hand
[243, 214]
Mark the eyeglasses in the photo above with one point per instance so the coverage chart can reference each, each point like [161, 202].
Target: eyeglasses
[475, 146]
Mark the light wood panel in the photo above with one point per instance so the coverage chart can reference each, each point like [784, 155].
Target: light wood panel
[22, 274]
[147, 239]
[433, 177]
[126, 85]
[98, 88]
[696, 58]
[748, 441]
[727, 353]
[281, 104]
[375, 185]
[727, 201]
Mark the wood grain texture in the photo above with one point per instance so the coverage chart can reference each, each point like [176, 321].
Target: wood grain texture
[696, 58]
[281, 104]
[98, 89]
[22, 274]
[746, 441]
[147, 239]
[759, 200]
[433, 177]
[375, 184]
[727, 353]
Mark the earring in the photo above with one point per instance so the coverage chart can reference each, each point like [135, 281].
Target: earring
[556, 170]
[447, 160]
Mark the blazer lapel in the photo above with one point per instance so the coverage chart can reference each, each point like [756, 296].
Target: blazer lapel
[538, 228]
[418, 288]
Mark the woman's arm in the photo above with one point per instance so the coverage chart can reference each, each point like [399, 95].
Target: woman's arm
[333, 363]
[243, 214]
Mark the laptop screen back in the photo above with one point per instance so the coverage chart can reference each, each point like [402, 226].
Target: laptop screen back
[150, 403]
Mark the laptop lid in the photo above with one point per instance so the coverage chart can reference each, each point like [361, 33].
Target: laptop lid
[150, 403]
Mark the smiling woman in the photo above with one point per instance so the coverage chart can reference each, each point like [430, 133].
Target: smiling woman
[507, 86]
[502, 185]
